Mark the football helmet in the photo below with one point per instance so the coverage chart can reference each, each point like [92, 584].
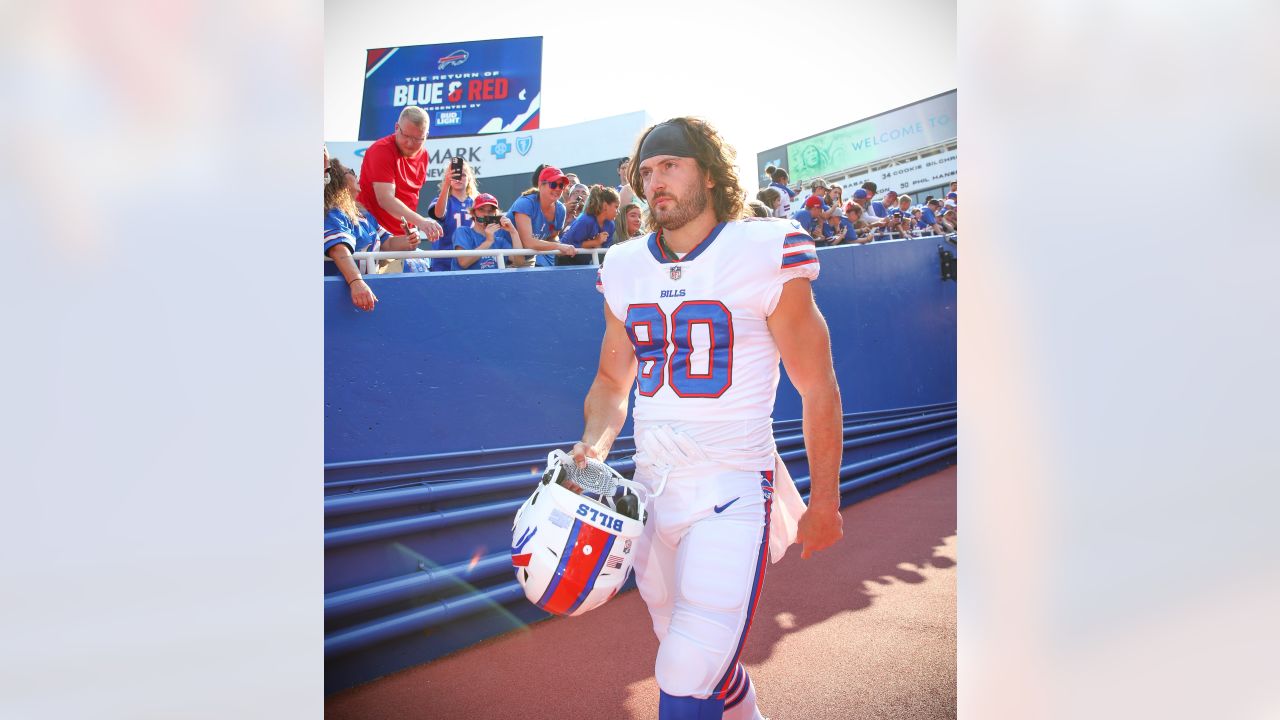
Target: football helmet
[572, 552]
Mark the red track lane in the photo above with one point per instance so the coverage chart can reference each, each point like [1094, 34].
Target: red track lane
[865, 629]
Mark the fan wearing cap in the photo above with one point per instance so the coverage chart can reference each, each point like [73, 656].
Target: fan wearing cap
[811, 217]
[837, 229]
[872, 209]
[697, 316]
[950, 219]
[929, 215]
[862, 198]
[539, 216]
[818, 189]
[859, 232]
[487, 230]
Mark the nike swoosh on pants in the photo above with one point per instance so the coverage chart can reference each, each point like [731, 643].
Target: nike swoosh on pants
[722, 508]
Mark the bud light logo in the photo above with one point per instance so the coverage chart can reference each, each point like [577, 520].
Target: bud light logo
[457, 57]
[449, 117]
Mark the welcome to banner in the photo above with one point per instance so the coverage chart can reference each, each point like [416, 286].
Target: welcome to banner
[468, 88]
[865, 142]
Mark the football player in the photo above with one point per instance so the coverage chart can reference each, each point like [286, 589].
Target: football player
[697, 316]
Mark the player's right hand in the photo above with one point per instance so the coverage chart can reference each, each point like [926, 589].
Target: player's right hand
[580, 452]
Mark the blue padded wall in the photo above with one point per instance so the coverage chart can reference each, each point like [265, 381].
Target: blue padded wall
[460, 361]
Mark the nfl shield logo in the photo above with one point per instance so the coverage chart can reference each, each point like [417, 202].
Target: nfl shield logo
[524, 144]
[676, 272]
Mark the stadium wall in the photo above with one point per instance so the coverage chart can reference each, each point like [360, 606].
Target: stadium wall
[440, 407]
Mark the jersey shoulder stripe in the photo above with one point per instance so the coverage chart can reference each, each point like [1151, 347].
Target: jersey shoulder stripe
[798, 258]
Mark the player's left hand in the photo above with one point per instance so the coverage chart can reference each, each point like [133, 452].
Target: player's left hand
[433, 229]
[819, 529]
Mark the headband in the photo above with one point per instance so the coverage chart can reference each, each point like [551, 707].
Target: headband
[666, 139]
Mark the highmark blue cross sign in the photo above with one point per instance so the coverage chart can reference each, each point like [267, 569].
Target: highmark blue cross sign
[500, 148]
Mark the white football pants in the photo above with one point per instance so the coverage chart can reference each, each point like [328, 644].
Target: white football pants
[700, 566]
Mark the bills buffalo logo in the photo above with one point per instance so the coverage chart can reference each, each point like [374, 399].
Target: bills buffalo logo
[677, 272]
[519, 558]
[457, 57]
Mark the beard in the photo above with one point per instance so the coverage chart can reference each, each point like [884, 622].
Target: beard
[681, 209]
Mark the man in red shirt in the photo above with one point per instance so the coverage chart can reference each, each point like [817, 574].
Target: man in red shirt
[391, 175]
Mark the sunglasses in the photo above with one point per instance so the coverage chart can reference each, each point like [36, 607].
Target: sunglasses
[558, 185]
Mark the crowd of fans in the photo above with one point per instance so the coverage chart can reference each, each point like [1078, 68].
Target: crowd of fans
[375, 210]
[863, 218]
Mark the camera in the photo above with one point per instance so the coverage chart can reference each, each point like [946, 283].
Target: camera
[489, 219]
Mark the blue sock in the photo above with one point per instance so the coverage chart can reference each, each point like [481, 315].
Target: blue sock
[683, 707]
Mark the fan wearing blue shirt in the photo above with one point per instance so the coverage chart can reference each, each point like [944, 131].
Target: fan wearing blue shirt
[838, 228]
[486, 230]
[538, 216]
[929, 215]
[452, 208]
[890, 203]
[810, 218]
[594, 227]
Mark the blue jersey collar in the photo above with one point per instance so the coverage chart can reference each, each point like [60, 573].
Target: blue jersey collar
[655, 247]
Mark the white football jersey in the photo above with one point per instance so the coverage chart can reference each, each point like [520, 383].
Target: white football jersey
[697, 323]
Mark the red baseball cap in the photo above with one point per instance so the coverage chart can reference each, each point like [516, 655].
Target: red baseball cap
[485, 199]
[813, 201]
[550, 174]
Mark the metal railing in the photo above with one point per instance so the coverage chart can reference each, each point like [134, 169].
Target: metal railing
[500, 254]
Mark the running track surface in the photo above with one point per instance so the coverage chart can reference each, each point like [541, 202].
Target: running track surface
[865, 629]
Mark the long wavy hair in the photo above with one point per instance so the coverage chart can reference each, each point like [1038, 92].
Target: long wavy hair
[715, 157]
[770, 197]
[337, 194]
[599, 197]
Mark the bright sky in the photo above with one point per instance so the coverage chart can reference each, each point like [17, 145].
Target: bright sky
[761, 77]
